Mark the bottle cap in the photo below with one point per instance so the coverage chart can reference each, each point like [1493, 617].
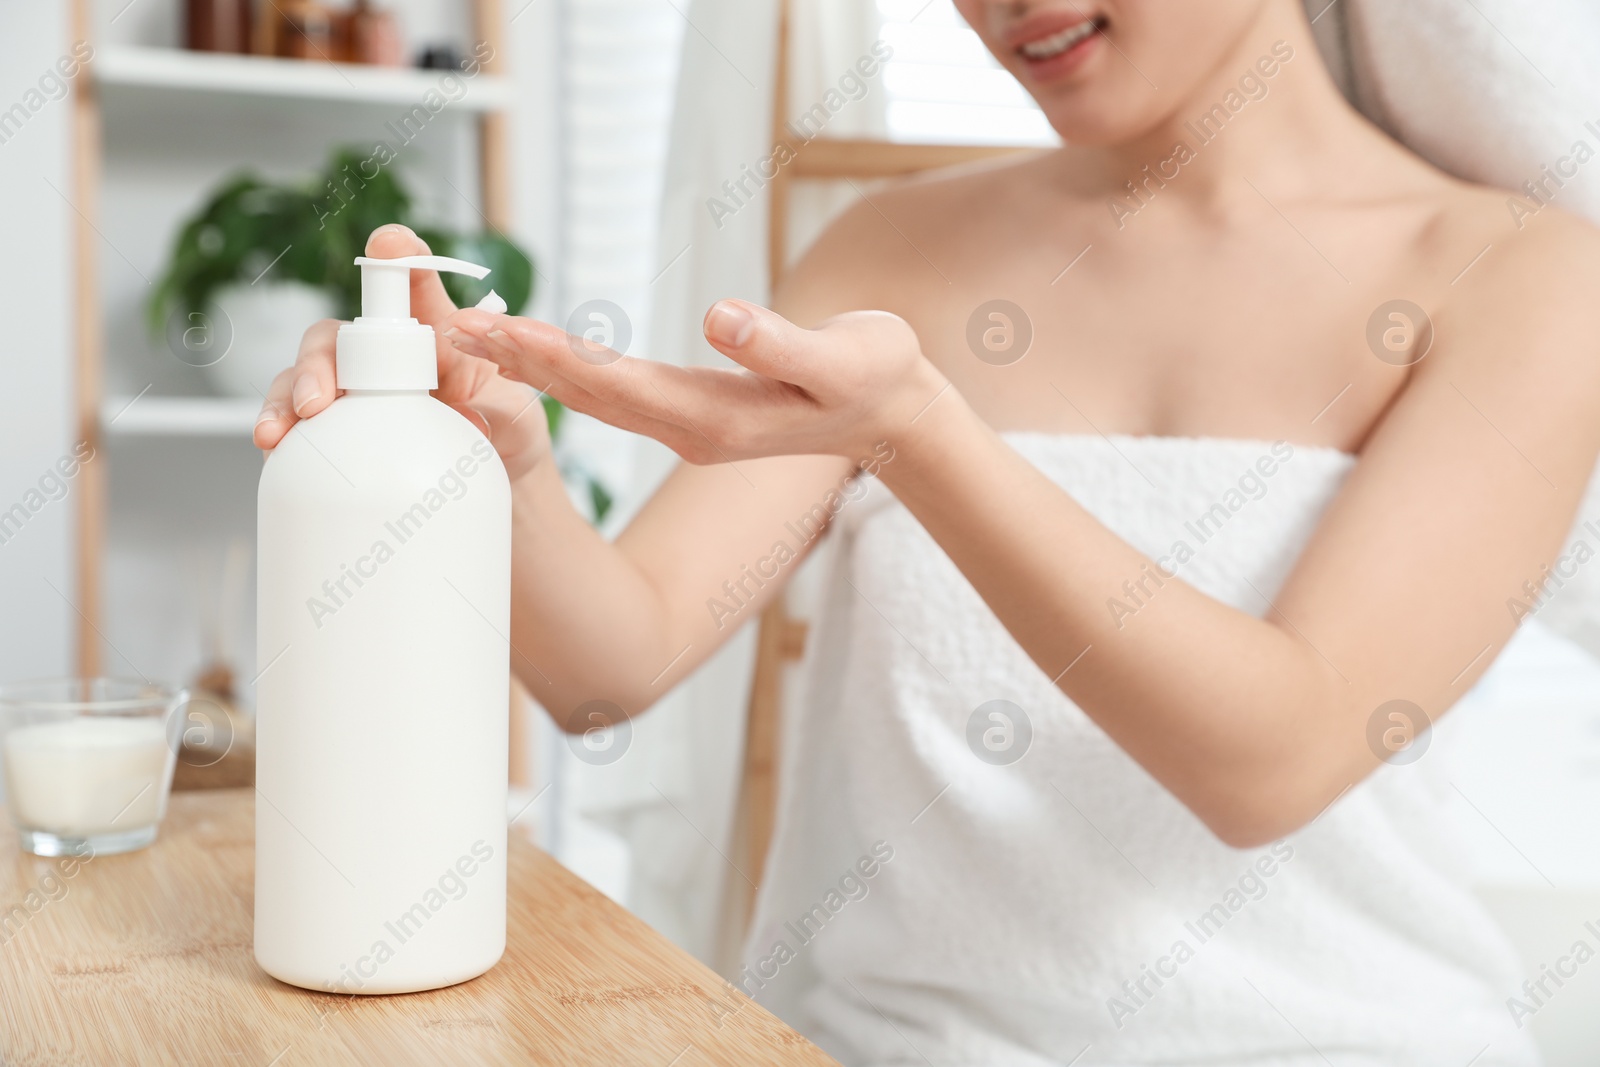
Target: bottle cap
[385, 348]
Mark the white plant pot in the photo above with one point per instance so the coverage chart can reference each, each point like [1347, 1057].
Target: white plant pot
[264, 322]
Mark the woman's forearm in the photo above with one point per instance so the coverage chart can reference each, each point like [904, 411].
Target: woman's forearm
[624, 621]
[1234, 714]
[586, 623]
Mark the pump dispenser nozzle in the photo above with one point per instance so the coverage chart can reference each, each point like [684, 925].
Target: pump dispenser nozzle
[386, 283]
[386, 348]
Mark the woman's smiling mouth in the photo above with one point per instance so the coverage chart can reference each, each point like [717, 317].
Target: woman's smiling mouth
[1056, 43]
[1053, 45]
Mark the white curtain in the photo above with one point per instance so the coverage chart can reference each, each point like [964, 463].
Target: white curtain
[721, 131]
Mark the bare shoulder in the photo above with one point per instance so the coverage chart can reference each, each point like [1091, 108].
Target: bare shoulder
[905, 234]
[1518, 329]
[1536, 276]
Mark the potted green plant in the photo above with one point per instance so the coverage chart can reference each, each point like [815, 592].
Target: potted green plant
[255, 242]
[261, 260]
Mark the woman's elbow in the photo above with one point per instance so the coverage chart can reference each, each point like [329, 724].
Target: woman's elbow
[1270, 811]
[580, 715]
[1251, 829]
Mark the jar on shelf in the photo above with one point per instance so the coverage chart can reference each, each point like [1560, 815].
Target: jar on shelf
[296, 29]
[217, 25]
[373, 36]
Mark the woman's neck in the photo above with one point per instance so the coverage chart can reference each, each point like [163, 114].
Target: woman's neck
[1268, 113]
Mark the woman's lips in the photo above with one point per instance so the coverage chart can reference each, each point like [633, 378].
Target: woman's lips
[1052, 51]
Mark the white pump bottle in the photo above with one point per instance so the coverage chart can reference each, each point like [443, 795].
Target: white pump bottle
[384, 578]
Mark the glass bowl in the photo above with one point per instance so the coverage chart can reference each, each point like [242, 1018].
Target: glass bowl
[87, 762]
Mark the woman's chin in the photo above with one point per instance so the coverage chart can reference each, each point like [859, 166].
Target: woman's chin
[1104, 107]
[1088, 124]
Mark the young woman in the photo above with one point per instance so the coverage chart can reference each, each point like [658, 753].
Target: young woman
[1208, 511]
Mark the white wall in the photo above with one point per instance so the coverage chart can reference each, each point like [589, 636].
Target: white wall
[36, 624]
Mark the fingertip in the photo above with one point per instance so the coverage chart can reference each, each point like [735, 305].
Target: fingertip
[267, 432]
[503, 350]
[307, 391]
[729, 323]
[394, 240]
[458, 342]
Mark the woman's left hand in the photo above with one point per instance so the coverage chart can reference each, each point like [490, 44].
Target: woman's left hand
[856, 380]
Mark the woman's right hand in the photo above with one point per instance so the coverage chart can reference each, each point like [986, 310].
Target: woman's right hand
[508, 412]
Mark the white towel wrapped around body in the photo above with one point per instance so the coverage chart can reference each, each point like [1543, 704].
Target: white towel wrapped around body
[921, 901]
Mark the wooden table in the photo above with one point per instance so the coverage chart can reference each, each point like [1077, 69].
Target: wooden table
[145, 958]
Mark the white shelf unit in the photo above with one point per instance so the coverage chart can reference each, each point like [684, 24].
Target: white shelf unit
[179, 416]
[131, 67]
[155, 129]
[141, 84]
